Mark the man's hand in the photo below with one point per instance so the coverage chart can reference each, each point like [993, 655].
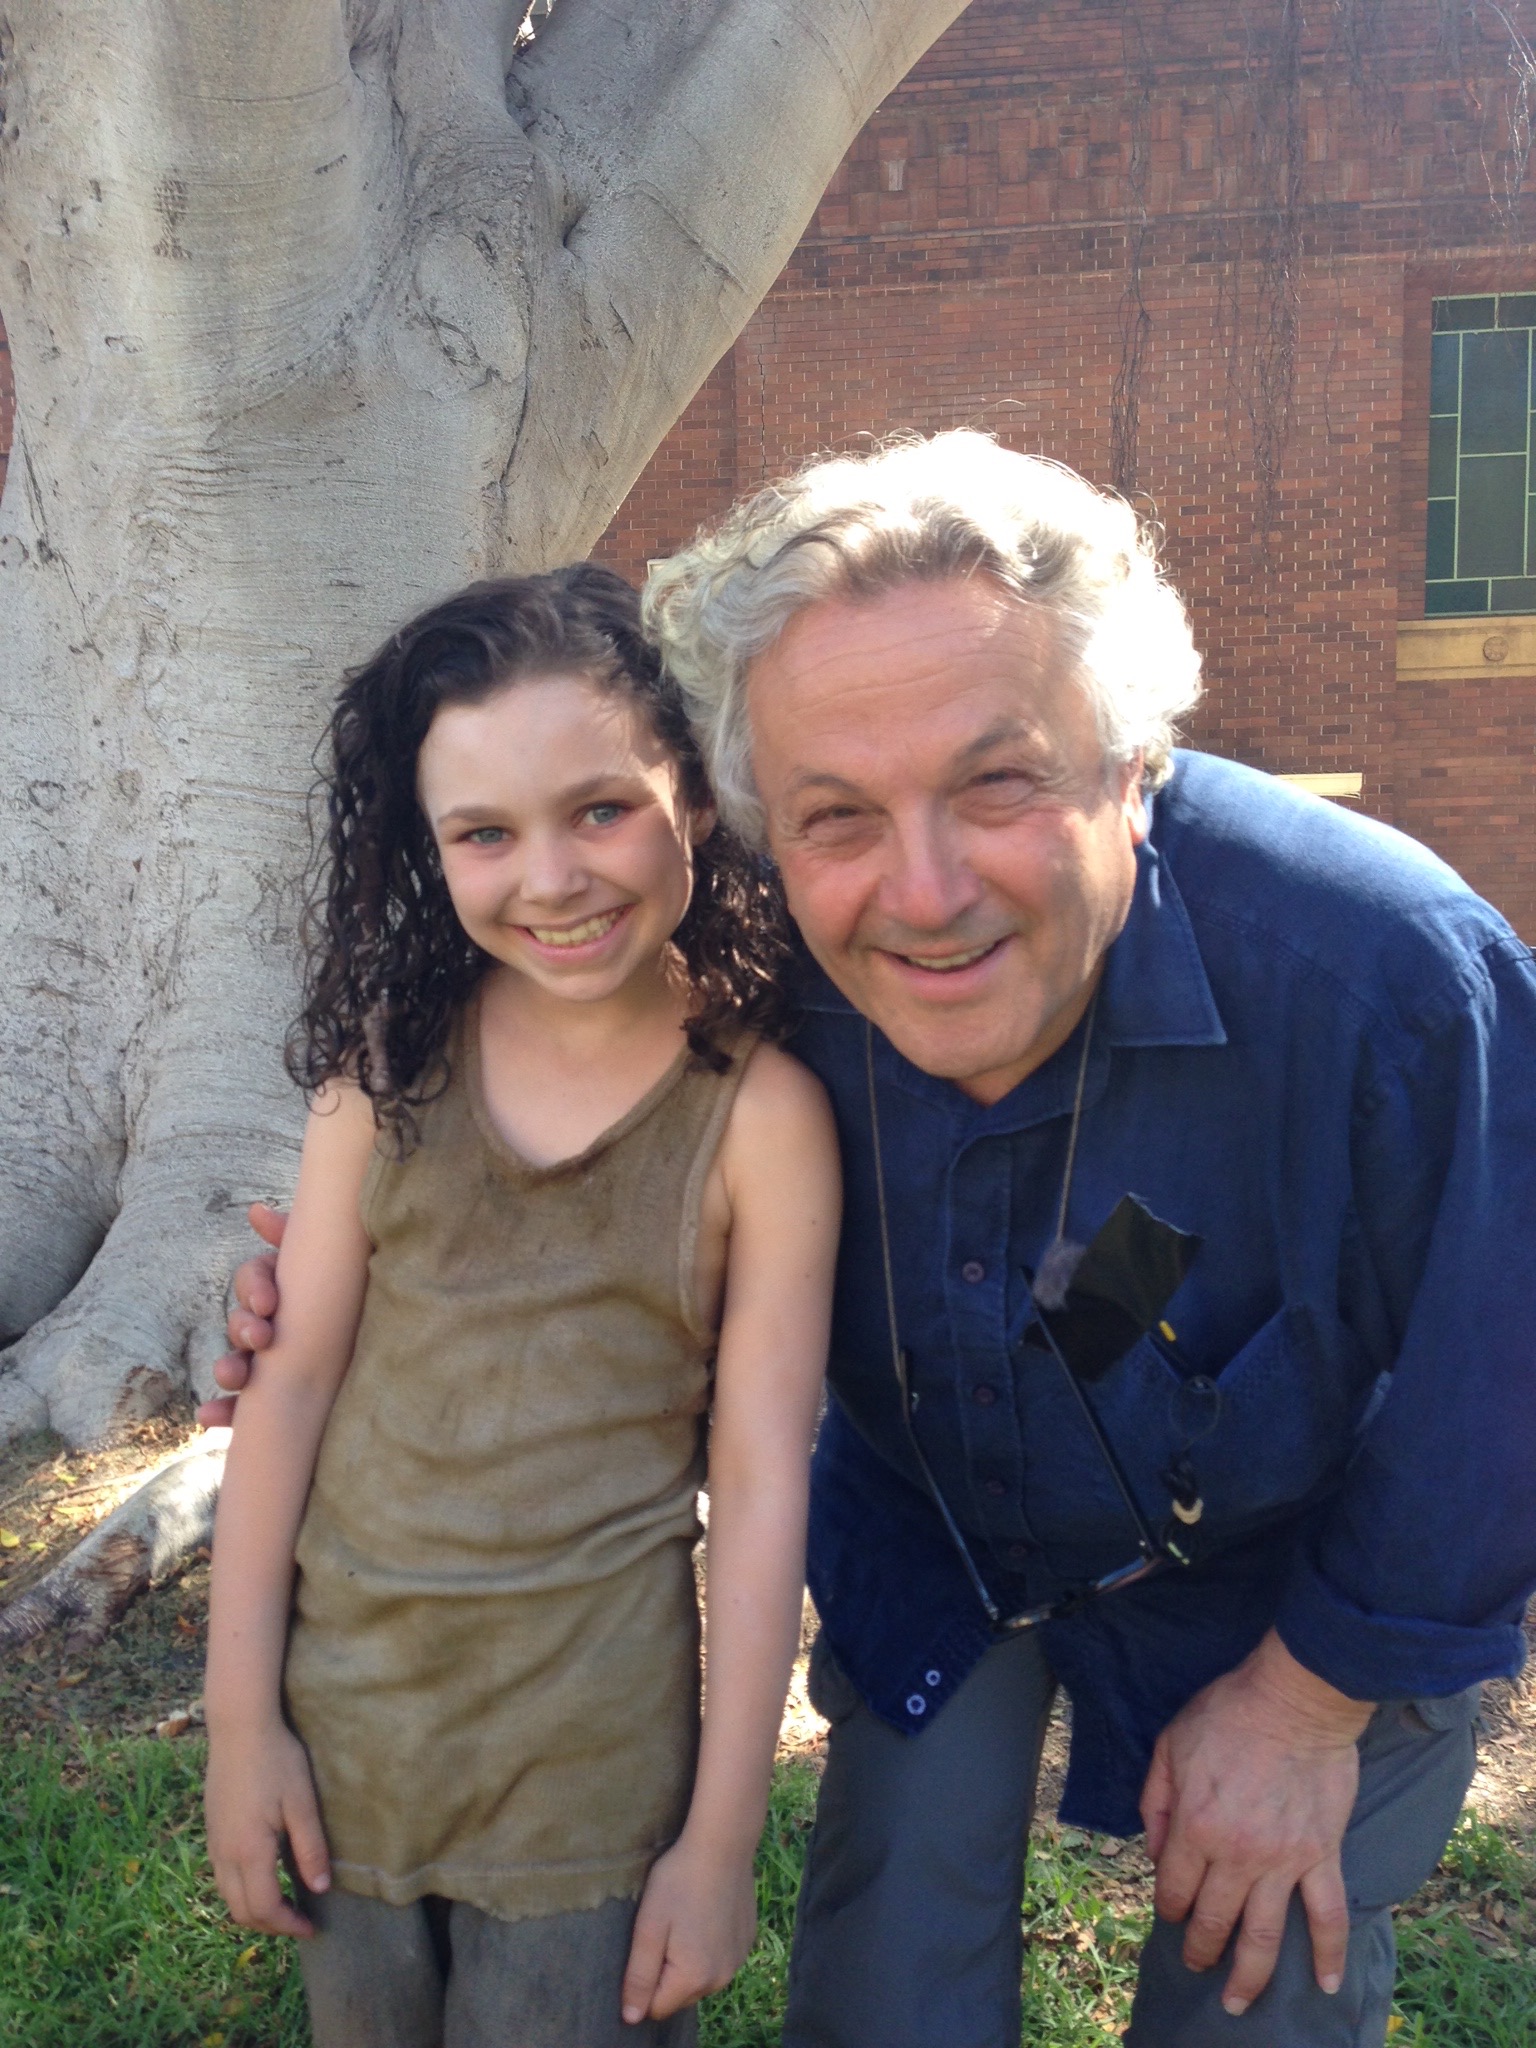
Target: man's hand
[1249, 1794]
[697, 1916]
[249, 1327]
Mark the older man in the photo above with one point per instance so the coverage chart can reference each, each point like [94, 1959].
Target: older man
[1183, 1348]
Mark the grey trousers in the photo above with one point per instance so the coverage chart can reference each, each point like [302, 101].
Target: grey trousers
[908, 1933]
[441, 1974]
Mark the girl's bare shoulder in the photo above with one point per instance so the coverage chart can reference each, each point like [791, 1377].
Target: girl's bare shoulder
[341, 1132]
[780, 1109]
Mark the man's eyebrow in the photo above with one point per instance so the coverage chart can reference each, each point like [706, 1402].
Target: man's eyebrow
[816, 778]
[1001, 733]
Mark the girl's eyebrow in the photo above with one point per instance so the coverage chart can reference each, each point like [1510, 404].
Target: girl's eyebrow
[574, 793]
[467, 814]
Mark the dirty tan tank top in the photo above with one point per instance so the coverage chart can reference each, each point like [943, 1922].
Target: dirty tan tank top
[494, 1655]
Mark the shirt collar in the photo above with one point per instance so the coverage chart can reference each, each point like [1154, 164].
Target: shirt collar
[1155, 989]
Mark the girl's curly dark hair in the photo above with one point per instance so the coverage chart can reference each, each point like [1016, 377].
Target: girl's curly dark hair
[387, 962]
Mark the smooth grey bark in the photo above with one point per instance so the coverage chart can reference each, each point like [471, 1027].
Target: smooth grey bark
[143, 1541]
[316, 310]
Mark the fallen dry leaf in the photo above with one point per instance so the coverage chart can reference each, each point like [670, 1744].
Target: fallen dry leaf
[172, 1726]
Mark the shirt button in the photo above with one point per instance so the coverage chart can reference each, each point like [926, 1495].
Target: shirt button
[933, 1677]
[983, 1396]
[973, 1270]
[916, 1704]
[995, 1486]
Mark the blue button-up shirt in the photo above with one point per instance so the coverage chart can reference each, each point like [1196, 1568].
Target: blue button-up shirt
[1315, 1049]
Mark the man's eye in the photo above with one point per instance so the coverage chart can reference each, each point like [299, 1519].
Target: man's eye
[1002, 785]
[837, 825]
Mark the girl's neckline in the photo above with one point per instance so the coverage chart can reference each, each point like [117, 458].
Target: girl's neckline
[502, 1146]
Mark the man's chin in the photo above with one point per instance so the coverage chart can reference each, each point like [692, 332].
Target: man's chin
[981, 1062]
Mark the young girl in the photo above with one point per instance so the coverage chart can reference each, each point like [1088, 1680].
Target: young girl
[556, 1197]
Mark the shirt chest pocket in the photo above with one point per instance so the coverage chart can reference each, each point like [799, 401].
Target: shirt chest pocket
[1272, 1429]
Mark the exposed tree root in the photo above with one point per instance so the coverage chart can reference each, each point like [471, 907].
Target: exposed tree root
[139, 1544]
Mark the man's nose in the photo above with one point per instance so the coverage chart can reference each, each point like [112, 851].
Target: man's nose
[927, 884]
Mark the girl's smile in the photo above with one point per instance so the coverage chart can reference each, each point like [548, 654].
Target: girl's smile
[578, 937]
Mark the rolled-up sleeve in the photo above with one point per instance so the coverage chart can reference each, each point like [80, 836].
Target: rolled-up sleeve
[1412, 1582]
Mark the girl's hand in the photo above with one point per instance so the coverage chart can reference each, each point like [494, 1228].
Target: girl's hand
[697, 1917]
[258, 1791]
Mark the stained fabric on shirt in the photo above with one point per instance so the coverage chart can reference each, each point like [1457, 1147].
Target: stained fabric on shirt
[494, 1652]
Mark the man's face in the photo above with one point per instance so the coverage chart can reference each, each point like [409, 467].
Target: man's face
[953, 848]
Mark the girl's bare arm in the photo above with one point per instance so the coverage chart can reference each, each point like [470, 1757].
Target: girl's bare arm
[258, 1786]
[780, 1167]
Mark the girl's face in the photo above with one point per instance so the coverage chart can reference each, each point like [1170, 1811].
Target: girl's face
[565, 841]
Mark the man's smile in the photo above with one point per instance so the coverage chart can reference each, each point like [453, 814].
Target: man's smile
[946, 963]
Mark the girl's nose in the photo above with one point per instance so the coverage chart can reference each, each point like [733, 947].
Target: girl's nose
[551, 872]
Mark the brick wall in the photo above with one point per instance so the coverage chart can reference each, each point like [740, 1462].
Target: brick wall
[971, 261]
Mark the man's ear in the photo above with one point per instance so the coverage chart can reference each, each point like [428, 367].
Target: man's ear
[1133, 799]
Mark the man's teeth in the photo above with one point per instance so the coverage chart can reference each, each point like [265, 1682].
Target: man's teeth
[577, 934]
[951, 962]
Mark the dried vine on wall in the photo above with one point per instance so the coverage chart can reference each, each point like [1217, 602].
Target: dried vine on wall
[1259, 288]
[1135, 320]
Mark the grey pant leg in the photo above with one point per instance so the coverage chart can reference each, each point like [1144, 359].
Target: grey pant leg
[1416, 1763]
[550, 1982]
[373, 1973]
[907, 1933]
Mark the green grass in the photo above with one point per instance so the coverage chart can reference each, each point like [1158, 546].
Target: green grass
[111, 1935]
[1466, 1973]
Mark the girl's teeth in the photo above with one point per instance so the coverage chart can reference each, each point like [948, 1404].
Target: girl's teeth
[577, 934]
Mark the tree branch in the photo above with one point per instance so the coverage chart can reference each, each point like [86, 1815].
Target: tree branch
[693, 145]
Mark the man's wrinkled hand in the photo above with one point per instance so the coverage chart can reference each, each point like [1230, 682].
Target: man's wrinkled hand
[249, 1325]
[1247, 1800]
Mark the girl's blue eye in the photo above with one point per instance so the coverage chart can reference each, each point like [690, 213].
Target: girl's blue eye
[605, 814]
[487, 835]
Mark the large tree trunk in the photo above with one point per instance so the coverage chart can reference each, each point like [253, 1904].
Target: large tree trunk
[317, 310]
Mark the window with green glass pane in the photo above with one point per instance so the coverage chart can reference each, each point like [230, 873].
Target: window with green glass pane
[1480, 538]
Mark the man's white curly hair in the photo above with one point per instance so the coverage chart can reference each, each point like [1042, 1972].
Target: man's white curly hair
[952, 505]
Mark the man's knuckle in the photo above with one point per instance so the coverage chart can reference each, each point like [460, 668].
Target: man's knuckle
[1206, 1928]
[1265, 1936]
